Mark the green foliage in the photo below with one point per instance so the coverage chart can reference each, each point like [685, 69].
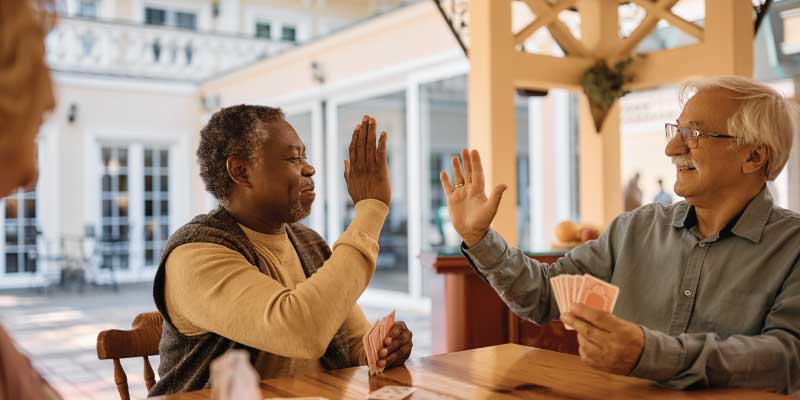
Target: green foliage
[604, 85]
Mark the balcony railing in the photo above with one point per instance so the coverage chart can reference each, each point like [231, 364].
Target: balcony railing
[155, 52]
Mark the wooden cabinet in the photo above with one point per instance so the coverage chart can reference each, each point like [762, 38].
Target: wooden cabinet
[469, 313]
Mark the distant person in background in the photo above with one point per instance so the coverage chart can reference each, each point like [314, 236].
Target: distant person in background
[633, 194]
[26, 94]
[662, 196]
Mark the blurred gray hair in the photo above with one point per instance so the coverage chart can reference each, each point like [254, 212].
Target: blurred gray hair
[765, 117]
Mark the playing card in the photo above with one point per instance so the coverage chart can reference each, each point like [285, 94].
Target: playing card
[598, 294]
[368, 350]
[373, 341]
[554, 293]
[559, 283]
[391, 393]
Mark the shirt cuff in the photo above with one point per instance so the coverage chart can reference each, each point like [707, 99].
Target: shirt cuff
[488, 252]
[661, 357]
[370, 215]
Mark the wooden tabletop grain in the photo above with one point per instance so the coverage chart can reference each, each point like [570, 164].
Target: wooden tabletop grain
[508, 371]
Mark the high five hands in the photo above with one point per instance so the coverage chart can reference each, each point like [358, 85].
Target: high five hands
[471, 212]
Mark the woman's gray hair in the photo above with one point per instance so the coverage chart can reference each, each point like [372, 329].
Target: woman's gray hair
[765, 117]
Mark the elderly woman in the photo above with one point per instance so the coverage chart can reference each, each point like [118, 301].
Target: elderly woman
[26, 93]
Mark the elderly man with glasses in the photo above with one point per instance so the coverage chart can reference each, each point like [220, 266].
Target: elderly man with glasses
[709, 287]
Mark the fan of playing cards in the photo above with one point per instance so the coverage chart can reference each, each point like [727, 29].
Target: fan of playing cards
[373, 341]
[586, 289]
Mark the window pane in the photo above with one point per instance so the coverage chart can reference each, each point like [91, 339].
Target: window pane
[122, 206]
[148, 158]
[11, 208]
[149, 258]
[149, 231]
[123, 183]
[11, 234]
[148, 208]
[12, 263]
[155, 16]
[122, 157]
[148, 183]
[185, 20]
[30, 234]
[105, 155]
[30, 263]
[106, 185]
[123, 233]
[288, 34]
[390, 113]
[164, 183]
[163, 159]
[107, 208]
[164, 232]
[263, 30]
[164, 211]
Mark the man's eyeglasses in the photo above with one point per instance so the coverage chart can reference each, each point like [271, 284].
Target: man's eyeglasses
[690, 136]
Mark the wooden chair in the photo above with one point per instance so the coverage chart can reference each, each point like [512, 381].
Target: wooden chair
[141, 341]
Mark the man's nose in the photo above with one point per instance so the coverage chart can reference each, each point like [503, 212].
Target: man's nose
[676, 147]
[308, 170]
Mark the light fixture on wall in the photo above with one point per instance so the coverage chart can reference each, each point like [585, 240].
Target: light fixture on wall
[317, 74]
[72, 113]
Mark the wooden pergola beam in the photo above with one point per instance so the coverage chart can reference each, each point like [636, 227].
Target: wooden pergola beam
[542, 72]
[542, 21]
[559, 30]
[667, 15]
[645, 27]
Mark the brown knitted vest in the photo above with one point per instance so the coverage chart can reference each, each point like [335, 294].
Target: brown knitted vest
[185, 360]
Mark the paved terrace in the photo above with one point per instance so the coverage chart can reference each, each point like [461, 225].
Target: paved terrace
[58, 331]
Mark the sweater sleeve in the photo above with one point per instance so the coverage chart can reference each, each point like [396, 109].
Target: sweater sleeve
[213, 288]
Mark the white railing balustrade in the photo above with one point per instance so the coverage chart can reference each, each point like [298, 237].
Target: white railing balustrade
[145, 51]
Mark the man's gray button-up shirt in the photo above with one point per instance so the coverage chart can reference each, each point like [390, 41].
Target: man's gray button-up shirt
[717, 311]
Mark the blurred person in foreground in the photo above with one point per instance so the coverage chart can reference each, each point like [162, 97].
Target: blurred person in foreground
[709, 287]
[26, 94]
[250, 276]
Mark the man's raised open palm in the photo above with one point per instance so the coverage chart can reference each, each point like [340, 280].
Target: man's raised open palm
[470, 210]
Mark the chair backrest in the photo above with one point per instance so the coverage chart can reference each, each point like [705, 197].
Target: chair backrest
[140, 341]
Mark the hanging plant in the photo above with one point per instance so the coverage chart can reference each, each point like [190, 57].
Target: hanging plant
[603, 86]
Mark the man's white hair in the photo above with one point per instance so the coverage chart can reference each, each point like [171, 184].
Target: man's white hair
[765, 117]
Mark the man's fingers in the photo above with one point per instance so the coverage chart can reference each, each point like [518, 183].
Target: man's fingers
[458, 177]
[362, 143]
[353, 144]
[380, 156]
[397, 357]
[477, 169]
[602, 319]
[497, 195]
[585, 328]
[347, 171]
[467, 166]
[371, 156]
[446, 185]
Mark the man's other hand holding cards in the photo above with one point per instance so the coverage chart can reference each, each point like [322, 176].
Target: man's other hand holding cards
[396, 347]
[606, 341]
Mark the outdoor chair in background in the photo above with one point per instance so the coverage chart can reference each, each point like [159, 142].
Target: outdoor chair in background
[140, 341]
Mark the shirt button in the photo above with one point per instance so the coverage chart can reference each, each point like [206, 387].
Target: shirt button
[702, 244]
[687, 292]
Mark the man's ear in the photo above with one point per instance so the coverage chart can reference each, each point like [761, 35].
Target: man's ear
[238, 171]
[757, 160]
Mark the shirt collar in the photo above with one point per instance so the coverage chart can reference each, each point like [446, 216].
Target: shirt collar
[749, 224]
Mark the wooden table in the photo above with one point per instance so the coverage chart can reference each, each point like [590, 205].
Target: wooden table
[508, 371]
